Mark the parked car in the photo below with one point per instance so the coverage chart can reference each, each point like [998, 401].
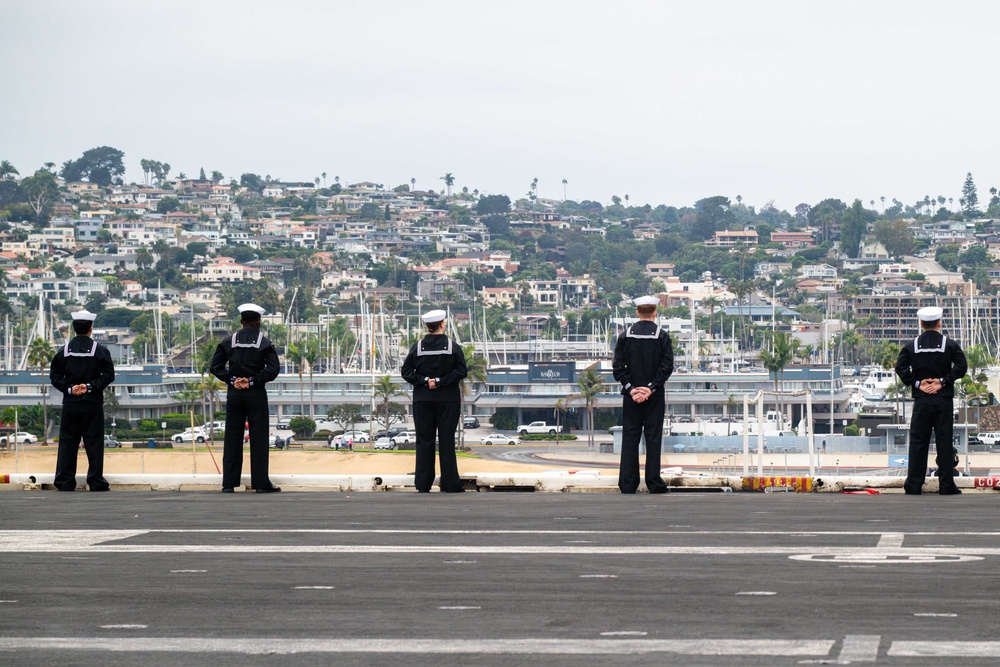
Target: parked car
[284, 424]
[110, 442]
[359, 436]
[384, 443]
[989, 437]
[470, 422]
[391, 433]
[22, 437]
[499, 439]
[536, 428]
[189, 434]
[405, 438]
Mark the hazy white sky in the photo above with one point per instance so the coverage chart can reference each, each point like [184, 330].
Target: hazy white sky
[667, 102]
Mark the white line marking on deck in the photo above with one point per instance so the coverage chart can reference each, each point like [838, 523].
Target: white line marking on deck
[933, 615]
[459, 608]
[598, 576]
[625, 633]
[860, 648]
[124, 626]
[757, 593]
[945, 649]
[891, 541]
[9, 601]
[460, 562]
[522, 646]
[916, 557]
[314, 588]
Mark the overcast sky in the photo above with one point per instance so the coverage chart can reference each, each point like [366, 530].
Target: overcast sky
[667, 102]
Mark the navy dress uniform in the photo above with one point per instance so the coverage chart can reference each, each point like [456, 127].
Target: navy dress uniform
[246, 362]
[644, 357]
[435, 366]
[931, 363]
[81, 370]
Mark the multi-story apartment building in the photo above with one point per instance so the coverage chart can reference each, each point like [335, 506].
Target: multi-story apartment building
[894, 316]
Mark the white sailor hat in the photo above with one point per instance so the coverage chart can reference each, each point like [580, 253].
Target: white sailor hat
[930, 314]
[432, 316]
[84, 315]
[646, 301]
[250, 308]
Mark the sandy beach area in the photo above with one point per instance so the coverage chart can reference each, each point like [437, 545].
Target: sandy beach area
[317, 462]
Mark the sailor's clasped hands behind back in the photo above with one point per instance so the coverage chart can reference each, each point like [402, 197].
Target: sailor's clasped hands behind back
[640, 394]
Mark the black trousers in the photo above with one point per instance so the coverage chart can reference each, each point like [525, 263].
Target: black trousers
[436, 419]
[640, 419]
[242, 407]
[87, 422]
[931, 414]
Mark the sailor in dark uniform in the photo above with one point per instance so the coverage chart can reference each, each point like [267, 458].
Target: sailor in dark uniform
[644, 359]
[931, 363]
[81, 370]
[435, 366]
[246, 361]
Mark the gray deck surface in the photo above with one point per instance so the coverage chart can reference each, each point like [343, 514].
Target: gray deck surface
[129, 578]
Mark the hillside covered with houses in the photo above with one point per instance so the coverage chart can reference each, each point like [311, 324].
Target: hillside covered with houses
[840, 277]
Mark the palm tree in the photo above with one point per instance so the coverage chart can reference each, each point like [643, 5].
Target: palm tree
[476, 373]
[190, 394]
[413, 184]
[979, 357]
[741, 288]
[385, 390]
[111, 407]
[296, 353]
[311, 355]
[591, 387]
[449, 181]
[7, 170]
[897, 391]
[203, 356]
[783, 348]
[564, 188]
[712, 302]
[324, 179]
[885, 354]
[210, 386]
[40, 354]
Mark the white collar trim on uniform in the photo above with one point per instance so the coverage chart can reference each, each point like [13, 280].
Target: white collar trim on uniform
[260, 339]
[630, 334]
[93, 350]
[421, 352]
[917, 349]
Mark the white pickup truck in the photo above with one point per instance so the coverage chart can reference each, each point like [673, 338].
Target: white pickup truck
[538, 428]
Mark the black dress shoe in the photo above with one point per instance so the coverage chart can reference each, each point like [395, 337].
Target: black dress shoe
[228, 489]
[270, 489]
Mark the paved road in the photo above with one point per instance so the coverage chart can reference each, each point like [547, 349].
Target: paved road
[490, 579]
